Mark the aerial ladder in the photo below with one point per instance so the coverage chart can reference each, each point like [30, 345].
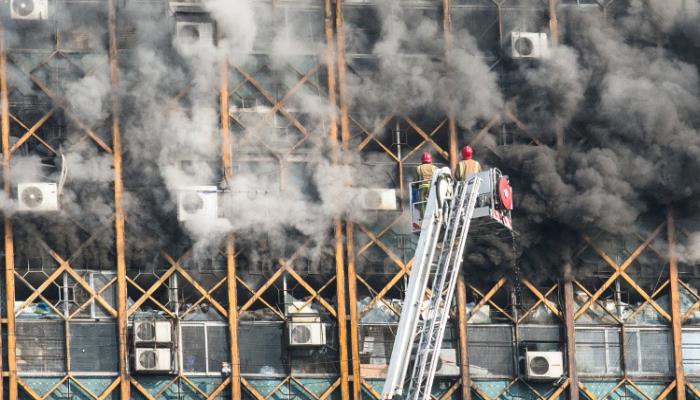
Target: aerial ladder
[447, 215]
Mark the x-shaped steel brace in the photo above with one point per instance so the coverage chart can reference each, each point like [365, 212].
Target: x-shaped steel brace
[62, 104]
[620, 272]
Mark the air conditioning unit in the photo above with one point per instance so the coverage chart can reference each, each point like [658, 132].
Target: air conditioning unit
[192, 34]
[378, 199]
[448, 364]
[37, 196]
[150, 332]
[29, 9]
[305, 334]
[544, 365]
[152, 360]
[197, 202]
[529, 45]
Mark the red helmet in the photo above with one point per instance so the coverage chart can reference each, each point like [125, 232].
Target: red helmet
[426, 158]
[467, 152]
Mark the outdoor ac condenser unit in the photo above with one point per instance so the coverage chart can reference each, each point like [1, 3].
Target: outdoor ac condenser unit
[197, 202]
[152, 360]
[307, 334]
[378, 199]
[29, 9]
[152, 332]
[37, 196]
[529, 45]
[192, 34]
[544, 365]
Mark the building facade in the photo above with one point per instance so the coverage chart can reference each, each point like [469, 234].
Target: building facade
[113, 297]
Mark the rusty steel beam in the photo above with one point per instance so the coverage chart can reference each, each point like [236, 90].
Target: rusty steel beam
[554, 32]
[330, 66]
[341, 315]
[354, 315]
[452, 123]
[338, 226]
[342, 71]
[226, 157]
[349, 226]
[676, 316]
[570, 330]
[461, 294]
[9, 242]
[124, 381]
[553, 22]
[231, 289]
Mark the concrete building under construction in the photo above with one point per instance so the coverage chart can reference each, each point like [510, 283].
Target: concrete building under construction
[209, 200]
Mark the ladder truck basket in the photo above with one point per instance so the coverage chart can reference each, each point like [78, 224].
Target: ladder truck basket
[492, 214]
[441, 186]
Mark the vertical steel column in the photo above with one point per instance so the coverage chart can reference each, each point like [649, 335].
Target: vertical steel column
[338, 226]
[349, 228]
[567, 281]
[461, 294]
[9, 242]
[570, 331]
[341, 314]
[553, 22]
[124, 384]
[676, 317]
[554, 31]
[330, 66]
[233, 317]
[342, 92]
[461, 288]
[230, 244]
[452, 123]
[354, 315]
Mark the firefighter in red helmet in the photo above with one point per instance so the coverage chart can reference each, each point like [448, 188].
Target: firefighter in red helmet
[467, 166]
[424, 173]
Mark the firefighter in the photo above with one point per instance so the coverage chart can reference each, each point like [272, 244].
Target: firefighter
[424, 173]
[467, 166]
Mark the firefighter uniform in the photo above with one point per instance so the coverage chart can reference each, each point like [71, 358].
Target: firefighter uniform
[466, 168]
[424, 173]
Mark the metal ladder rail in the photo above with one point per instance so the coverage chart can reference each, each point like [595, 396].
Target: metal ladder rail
[428, 351]
[449, 239]
[420, 273]
[449, 294]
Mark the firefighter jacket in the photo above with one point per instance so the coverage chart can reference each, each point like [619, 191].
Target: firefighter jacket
[424, 172]
[466, 168]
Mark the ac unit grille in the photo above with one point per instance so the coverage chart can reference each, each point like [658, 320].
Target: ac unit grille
[192, 202]
[23, 8]
[146, 331]
[524, 46]
[301, 334]
[148, 359]
[32, 196]
[189, 33]
[539, 365]
[373, 199]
